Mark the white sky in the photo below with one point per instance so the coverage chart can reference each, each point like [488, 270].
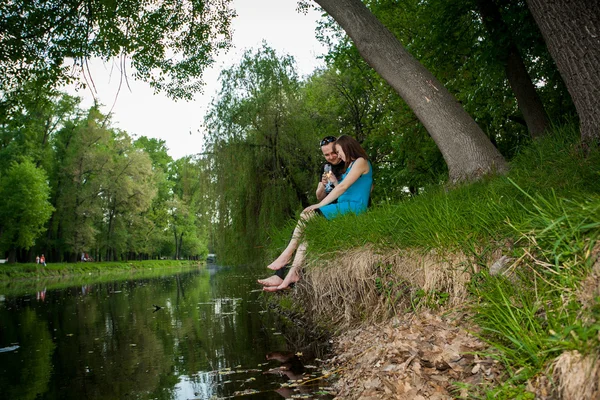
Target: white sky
[142, 113]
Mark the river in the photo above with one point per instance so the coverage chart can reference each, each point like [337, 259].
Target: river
[196, 334]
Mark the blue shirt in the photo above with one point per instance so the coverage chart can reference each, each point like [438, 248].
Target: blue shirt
[355, 199]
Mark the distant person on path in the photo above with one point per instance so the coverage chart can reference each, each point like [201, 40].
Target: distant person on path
[37, 259]
[327, 182]
[352, 194]
[43, 260]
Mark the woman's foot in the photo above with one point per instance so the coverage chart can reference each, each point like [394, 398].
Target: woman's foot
[290, 278]
[274, 288]
[271, 281]
[279, 263]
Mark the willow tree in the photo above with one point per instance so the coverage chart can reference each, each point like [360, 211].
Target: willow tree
[262, 153]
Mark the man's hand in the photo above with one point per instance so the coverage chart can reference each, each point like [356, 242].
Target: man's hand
[325, 178]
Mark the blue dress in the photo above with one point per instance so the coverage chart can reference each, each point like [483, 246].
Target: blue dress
[355, 199]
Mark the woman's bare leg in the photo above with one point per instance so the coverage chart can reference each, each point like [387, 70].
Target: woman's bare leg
[293, 275]
[285, 257]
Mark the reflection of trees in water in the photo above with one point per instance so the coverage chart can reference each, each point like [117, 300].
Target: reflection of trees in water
[25, 373]
[111, 344]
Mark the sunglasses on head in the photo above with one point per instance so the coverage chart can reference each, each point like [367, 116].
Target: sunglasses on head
[327, 140]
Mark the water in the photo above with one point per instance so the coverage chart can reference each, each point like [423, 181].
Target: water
[210, 336]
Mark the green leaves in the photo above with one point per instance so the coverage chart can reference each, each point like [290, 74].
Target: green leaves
[24, 209]
[169, 43]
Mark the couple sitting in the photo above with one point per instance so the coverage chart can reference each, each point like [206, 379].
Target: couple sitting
[346, 189]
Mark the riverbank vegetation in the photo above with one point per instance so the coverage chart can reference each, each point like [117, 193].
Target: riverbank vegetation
[518, 254]
[19, 279]
[28, 271]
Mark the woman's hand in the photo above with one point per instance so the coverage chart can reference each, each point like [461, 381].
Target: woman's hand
[329, 177]
[311, 208]
[333, 179]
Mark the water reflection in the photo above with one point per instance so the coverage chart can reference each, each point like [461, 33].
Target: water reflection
[198, 334]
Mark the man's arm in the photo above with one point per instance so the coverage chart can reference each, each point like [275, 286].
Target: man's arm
[321, 186]
[321, 192]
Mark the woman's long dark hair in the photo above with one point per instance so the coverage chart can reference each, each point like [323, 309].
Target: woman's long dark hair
[351, 149]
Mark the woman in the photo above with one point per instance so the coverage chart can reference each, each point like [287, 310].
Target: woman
[352, 195]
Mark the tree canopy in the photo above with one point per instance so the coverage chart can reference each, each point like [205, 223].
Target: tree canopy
[167, 43]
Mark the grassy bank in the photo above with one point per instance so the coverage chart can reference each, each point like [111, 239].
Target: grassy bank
[11, 272]
[536, 228]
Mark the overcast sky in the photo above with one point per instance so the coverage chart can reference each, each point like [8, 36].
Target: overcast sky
[141, 113]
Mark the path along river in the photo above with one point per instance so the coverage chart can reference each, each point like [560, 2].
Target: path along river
[195, 334]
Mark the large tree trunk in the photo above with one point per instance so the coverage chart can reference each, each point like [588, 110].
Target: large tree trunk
[518, 78]
[571, 29]
[467, 151]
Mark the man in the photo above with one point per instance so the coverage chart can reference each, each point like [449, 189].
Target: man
[326, 184]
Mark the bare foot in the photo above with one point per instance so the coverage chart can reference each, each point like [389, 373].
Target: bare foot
[273, 288]
[271, 281]
[291, 277]
[279, 263]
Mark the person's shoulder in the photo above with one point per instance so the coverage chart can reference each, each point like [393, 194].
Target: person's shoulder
[361, 162]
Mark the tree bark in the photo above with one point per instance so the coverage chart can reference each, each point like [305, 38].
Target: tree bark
[571, 30]
[519, 80]
[467, 151]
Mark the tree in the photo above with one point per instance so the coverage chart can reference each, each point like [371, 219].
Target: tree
[169, 43]
[188, 222]
[467, 151]
[81, 154]
[157, 216]
[24, 209]
[28, 121]
[261, 149]
[509, 55]
[571, 30]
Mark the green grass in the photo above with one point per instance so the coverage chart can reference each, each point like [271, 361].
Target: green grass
[18, 287]
[11, 272]
[472, 216]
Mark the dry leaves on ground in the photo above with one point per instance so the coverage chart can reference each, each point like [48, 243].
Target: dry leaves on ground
[419, 357]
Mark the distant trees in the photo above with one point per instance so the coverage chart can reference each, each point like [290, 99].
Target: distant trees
[66, 173]
[24, 209]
